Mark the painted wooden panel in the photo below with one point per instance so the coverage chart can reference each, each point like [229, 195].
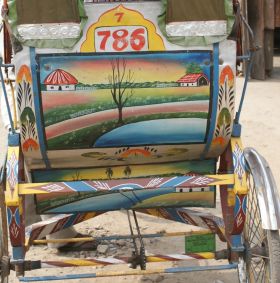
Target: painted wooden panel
[125, 95]
[126, 171]
[125, 100]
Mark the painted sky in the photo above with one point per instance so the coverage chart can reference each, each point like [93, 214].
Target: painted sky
[89, 69]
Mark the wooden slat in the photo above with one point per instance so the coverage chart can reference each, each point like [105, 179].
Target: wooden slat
[269, 51]
[269, 22]
[245, 35]
[277, 13]
[143, 183]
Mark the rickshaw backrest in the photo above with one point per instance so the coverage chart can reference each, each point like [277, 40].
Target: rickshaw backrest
[123, 94]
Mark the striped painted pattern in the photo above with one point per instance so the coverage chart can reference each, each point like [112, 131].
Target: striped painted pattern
[125, 260]
[126, 184]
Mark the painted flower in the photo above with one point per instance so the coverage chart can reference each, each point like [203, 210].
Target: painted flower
[30, 144]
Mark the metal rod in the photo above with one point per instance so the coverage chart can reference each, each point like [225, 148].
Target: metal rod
[100, 274]
[14, 102]
[121, 237]
[251, 33]
[132, 234]
[138, 229]
[6, 96]
[243, 57]
[7, 65]
[248, 71]
[100, 261]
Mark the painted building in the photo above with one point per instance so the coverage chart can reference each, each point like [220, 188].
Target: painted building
[193, 80]
[60, 80]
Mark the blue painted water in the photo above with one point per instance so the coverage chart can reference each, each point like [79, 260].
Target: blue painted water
[162, 131]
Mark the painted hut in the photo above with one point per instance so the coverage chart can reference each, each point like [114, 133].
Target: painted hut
[193, 80]
[60, 80]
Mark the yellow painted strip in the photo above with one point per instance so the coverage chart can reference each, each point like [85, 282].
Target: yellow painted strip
[27, 244]
[230, 197]
[190, 233]
[156, 259]
[30, 188]
[81, 262]
[240, 182]
[27, 189]
[207, 255]
[128, 273]
[66, 240]
[90, 215]
[226, 179]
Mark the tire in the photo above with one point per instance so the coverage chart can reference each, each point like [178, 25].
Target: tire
[261, 260]
[274, 247]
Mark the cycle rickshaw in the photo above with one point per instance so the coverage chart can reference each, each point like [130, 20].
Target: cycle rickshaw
[130, 105]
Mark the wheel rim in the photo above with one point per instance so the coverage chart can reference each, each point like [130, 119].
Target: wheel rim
[257, 264]
[242, 271]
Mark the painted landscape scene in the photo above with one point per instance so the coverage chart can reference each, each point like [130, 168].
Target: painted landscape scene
[126, 99]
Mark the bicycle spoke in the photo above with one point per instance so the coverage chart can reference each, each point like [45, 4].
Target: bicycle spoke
[257, 266]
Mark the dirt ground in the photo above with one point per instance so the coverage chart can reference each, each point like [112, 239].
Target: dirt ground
[260, 119]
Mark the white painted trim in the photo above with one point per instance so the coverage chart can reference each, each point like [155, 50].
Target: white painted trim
[197, 28]
[49, 31]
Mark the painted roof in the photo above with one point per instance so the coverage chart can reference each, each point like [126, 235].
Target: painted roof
[191, 78]
[60, 77]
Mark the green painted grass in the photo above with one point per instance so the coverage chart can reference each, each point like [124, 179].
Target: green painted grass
[103, 101]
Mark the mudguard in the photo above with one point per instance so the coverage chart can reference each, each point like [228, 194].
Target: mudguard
[268, 196]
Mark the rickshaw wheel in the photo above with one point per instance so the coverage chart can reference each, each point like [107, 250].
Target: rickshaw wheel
[261, 259]
[4, 258]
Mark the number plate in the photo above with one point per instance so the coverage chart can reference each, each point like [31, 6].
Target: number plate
[121, 39]
[200, 243]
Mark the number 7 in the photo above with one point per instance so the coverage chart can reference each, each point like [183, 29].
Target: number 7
[120, 16]
[106, 34]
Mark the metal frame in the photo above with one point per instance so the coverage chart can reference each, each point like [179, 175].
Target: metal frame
[29, 235]
[171, 270]
[5, 93]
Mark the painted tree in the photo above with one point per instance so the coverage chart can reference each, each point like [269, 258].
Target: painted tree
[193, 68]
[127, 171]
[122, 84]
[109, 172]
[76, 176]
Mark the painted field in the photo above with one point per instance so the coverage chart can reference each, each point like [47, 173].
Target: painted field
[112, 115]
[58, 107]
